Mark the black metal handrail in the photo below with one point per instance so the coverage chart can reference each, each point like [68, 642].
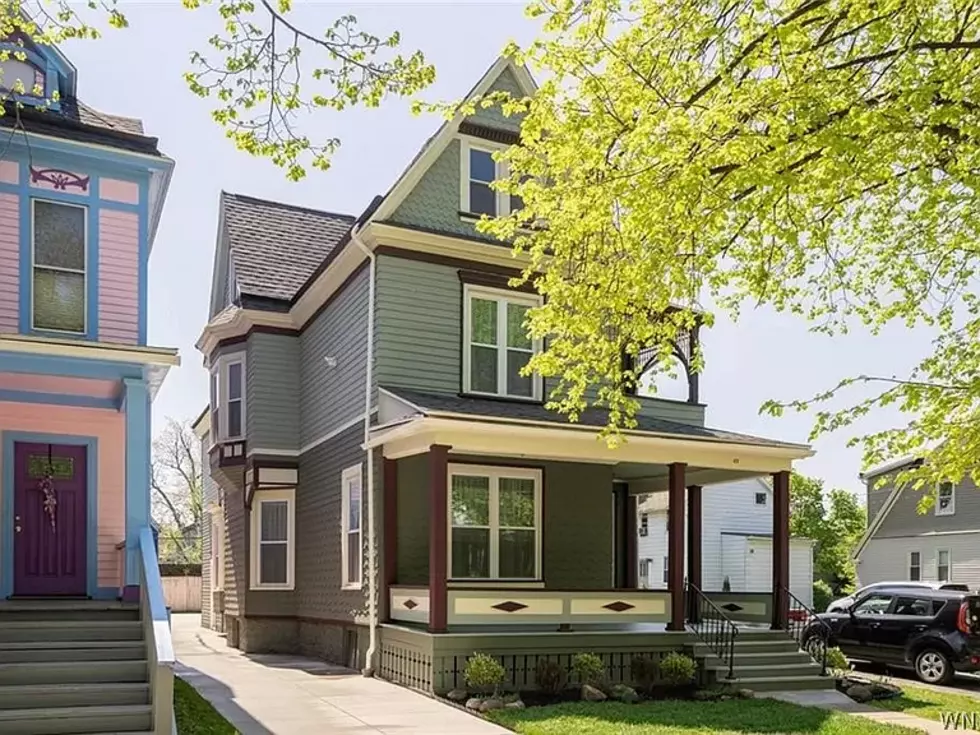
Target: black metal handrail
[800, 619]
[712, 626]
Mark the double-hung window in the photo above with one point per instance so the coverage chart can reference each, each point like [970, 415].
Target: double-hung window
[945, 499]
[59, 278]
[915, 566]
[273, 539]
[477, 172]
[497, 345]
[943, 567]
[228, 398]
[495, 523]
[351, 548]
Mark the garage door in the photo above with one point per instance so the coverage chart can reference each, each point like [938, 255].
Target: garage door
[758, 568]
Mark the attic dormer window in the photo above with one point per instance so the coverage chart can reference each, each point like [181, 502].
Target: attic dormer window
[20, 77]
[478, 171]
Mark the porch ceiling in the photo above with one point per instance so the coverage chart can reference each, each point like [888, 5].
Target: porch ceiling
[652, 478]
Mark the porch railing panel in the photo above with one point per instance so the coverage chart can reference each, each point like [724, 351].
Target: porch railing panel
[479, 606]
[713, 627]
[409, 604]
[156, 634]
[743, 607]
[804, 621]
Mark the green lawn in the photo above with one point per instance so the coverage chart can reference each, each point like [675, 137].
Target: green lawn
[195, 715]
[731, 717]
[928, 703]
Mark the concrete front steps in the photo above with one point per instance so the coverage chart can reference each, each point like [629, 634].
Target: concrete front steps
[72, 668]
[766, 661]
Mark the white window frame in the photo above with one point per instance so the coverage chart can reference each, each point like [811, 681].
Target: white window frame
[501, 171]
[765, 499]
[644, 524]
[666, 569]
[951, 508]
[357, 471]
[502, 297]
[85, 272]
[949, 565]
[217, 550]
[221, 368]
[908, 568]
[494, 474]
[274, 496]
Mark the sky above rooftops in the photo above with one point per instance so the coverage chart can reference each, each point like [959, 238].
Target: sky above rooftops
[763, 356]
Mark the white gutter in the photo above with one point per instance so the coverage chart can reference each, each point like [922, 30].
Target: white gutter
[368, 380]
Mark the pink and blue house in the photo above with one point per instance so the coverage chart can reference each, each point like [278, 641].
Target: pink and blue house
[81, 196]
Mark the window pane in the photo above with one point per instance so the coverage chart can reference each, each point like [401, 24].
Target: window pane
[59, 300]
[913, 606]
[272, 564]
[516, 331]
[235, 380]
[517, 554]
[275, 520]
[482, 166]
[516, 502]
[915, 574]
[483, 369]
[234, 418]
[14, 70]
[354, 504]
[354, 558]
[471, 552]
[914, 558]
[59, 235]
[517, 384]
[471, 500]
[483, 316]
[483, 199]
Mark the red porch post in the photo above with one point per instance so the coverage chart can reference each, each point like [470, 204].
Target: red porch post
[780, 550]
[438, 528]
[632, 558]
[675, 545]
[693, 545]
[390, 525]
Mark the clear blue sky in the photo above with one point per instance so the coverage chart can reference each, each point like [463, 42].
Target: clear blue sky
[138, 71]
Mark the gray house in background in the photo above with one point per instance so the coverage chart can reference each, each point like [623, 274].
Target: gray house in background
[388, 491]
[941, 545]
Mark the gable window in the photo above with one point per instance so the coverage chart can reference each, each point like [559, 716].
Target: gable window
[495, 522]
[915, 566]
[228, 397]
[760, 498]
[478, 171]
[644, 524]
[945, 499]
[351, 549]
[58, 235]
[497, 345]
[20, 76]
[943, 567]
[273, 539]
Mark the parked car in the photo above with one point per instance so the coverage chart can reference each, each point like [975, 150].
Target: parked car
[845, 602]
[934, 632]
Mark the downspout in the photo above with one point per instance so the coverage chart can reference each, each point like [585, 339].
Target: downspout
[368, 380]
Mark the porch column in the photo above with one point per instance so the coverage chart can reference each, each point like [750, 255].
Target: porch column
[438, 539]
[780, 550]
[675, 545]
[632, 559]
[136, 405]
[390, 520]
[693, 546]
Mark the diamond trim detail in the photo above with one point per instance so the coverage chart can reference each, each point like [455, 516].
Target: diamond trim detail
[732, 607]
[410, 604]
[619, 606]
[509, 606]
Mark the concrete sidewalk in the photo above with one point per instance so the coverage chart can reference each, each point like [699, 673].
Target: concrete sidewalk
[291, 695]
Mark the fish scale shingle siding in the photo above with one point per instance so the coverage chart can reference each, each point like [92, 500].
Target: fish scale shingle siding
[273, 406]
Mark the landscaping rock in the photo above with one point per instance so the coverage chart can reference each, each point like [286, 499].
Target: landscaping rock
[591, 694]
[517, 704]
[624, 693]
[746, 693]
[859, 693]
[474, 703]
[458, 695]
[492, 704]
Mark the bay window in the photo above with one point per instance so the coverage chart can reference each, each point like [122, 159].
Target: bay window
[228, 398]
[496, 343]
[495, 522]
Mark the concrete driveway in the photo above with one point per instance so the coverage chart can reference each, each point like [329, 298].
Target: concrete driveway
[291, 695]
[966, 684]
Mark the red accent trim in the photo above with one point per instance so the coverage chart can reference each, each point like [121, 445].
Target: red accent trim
[675, 545]
[390, 525]
[694, 541]
[632, 555]
[438, 539]
[780, 550]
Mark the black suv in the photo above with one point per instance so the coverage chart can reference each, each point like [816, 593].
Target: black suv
[935, 632]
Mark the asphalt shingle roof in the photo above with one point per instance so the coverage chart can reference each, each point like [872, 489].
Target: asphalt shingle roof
[432, 402]
[276, 247]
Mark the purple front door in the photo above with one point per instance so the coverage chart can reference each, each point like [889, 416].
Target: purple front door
[50, 538]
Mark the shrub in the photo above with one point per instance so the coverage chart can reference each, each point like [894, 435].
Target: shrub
[484, 673]
[822, 595]
[836, 660]
[589, 668]
[676, 669]
[644, 671]
[549, 676]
